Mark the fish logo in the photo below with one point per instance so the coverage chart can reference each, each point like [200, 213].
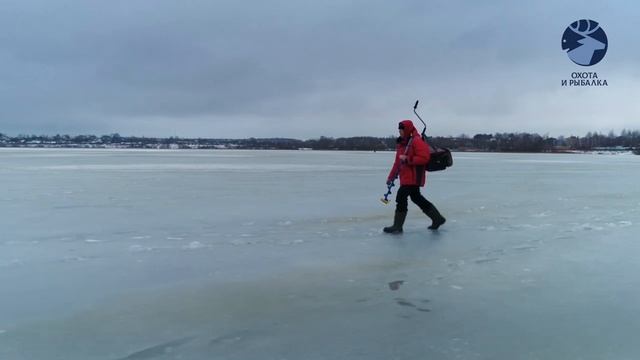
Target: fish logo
[585, 42]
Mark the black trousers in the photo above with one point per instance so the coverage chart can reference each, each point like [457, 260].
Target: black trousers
[413, 192]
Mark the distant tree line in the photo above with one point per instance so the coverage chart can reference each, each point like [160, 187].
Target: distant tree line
[499, 142]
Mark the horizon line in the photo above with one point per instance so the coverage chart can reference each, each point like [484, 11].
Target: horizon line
[545, 135]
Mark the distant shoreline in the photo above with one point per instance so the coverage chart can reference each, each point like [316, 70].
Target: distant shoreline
[565, 152]
[627, 141]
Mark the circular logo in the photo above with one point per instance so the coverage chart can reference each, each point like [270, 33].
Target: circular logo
[585, 42]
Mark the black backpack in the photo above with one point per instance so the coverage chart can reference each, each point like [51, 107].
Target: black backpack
[440, 157]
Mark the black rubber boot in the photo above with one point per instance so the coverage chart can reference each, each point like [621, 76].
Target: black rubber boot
[398, 221]
[435, 217]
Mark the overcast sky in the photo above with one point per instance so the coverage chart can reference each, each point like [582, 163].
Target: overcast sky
[302, 69]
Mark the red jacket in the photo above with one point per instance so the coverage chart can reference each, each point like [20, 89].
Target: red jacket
[412, 171]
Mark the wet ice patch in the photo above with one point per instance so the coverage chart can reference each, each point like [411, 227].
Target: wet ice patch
[285, 223]
[587, 227]
[395, 285]
[159, 350]
[486, 260]
[238, 242]
[403, 302]
[620, 224]
[525, 247]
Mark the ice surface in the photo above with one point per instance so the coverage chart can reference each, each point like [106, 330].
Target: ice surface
[116, 254]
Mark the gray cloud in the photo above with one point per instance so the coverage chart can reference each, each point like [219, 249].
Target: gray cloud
[305, 68]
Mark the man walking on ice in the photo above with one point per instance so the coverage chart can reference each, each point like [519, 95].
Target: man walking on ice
[412, 156]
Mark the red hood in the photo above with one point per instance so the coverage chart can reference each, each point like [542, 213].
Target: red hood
[409, 129]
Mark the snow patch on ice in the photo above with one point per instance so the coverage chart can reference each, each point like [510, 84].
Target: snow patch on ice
[536, 161]
[456, 287]
[74, 259]
[141, 167]
[12, 262]
[523, 226]
[174, 238]
[139, 248]
[92, 240]
[285, 223]
[541, 215]
[194, 245]
[293, 242]
[141, 237]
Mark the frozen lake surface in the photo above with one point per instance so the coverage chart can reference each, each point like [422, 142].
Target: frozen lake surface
[119, 254]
